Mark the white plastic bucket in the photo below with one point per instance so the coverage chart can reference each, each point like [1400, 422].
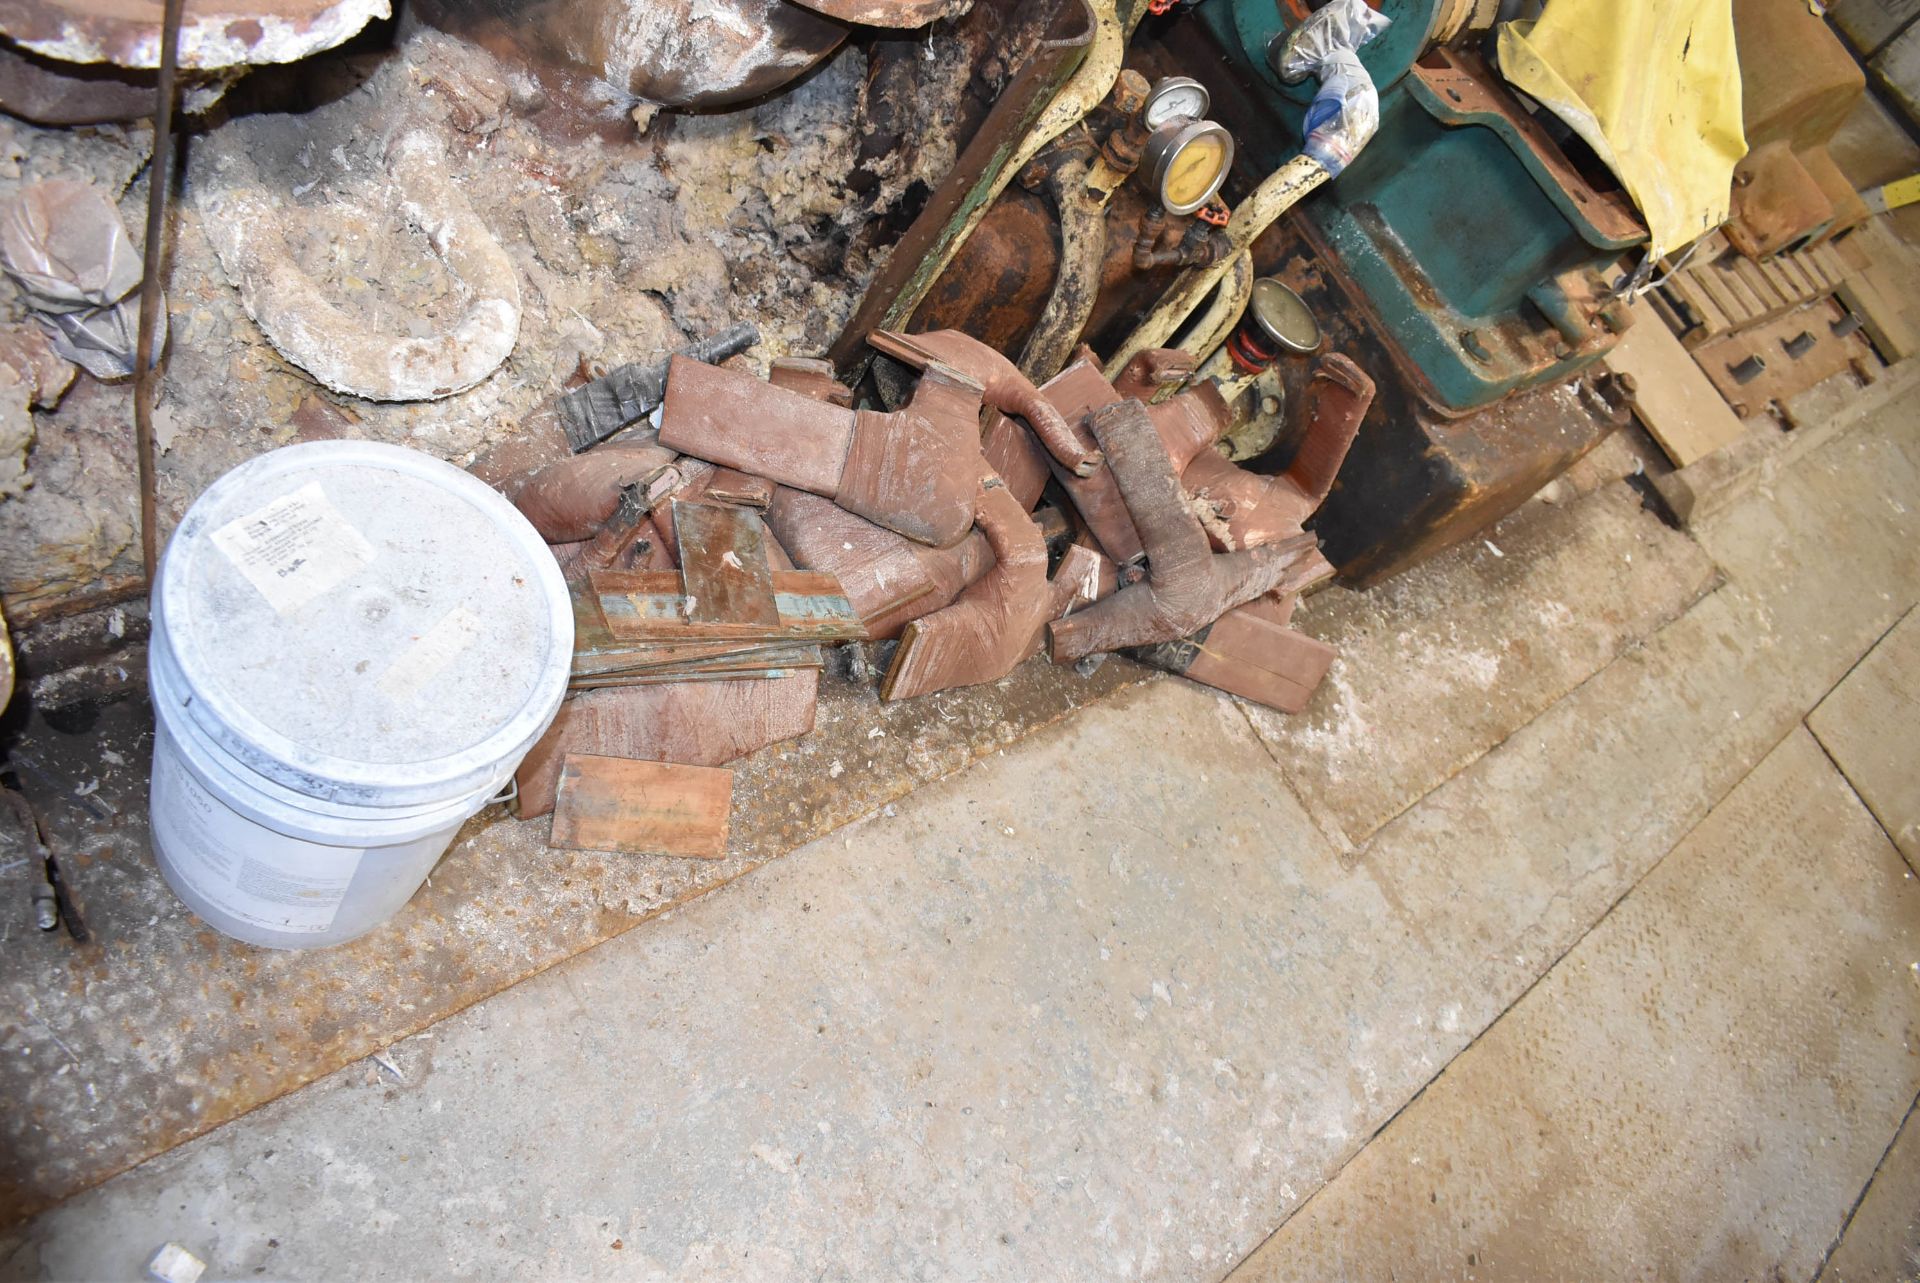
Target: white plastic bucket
[353, 647]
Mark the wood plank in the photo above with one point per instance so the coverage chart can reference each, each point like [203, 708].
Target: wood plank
[1796, 278]
[1707, 315]
[1784, 287]
[1672, 395]
[1884, 320]
[674, 677]
[1675, 315]
[642, 808]
[1733, 300]
[642, 656]
[723, 565]
[1809, 264]
[1880, 282]
[1767, 301]
[1832, 263]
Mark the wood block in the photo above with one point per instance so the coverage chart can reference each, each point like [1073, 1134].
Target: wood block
[723, 563]
[1672, 395]
[1884, 320]
[644, 808]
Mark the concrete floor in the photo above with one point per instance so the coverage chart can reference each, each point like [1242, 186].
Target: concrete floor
[1563, 937]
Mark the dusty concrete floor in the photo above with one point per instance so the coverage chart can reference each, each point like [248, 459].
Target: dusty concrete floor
[1551, 942]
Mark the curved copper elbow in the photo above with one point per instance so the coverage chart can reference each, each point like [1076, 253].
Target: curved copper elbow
[980, 637]
[1252, 509]
[1337, 400]
[997, 622]
[1187, 586]
[1005, 389]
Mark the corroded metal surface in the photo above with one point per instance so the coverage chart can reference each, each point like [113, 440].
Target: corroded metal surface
[889, 13]
[162, 1029]
[676, 53]
[896, 292]
[226, 33]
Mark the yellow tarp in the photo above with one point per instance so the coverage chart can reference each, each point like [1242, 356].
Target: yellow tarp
[1653, 86]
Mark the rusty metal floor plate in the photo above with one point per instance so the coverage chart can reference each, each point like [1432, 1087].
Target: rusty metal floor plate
[162, 1029]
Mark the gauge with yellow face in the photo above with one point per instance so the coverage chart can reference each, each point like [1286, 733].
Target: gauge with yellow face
[1185, 163]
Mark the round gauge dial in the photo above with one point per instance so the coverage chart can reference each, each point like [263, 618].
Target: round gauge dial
[1175, 98]
[1284, 316]
[1186, 162]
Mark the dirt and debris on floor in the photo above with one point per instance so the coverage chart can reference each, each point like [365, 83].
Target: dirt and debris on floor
[622, 246]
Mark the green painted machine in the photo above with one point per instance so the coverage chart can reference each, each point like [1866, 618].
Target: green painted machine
[1478, 248]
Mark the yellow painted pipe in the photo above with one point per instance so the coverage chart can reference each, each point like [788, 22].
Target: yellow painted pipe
[1204, 337]
[1282, 191]
[1089, 86]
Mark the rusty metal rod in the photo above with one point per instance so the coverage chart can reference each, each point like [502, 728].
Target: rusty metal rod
[143, 375]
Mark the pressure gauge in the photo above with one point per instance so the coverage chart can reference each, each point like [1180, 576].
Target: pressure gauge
[1283, 316]
[1186, 161]
[1175, 98]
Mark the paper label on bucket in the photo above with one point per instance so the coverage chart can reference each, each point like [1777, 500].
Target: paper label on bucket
[298, 887]
[430, 652]
[295, 548]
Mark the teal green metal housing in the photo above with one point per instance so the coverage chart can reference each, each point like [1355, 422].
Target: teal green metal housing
[1477, 247]
[1255, 24]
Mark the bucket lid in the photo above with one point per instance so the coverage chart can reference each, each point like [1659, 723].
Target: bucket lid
[356, 620]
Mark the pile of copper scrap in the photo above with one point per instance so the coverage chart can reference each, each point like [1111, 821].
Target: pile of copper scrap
[981, 523]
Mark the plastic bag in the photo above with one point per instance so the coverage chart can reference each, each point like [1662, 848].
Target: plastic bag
[1344, 115]
[63, 245]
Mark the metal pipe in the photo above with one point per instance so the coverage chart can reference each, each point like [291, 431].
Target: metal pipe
[1205, 335]
[152, 256]
[1282, 190]
[1087, 89]
[1083, 251]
